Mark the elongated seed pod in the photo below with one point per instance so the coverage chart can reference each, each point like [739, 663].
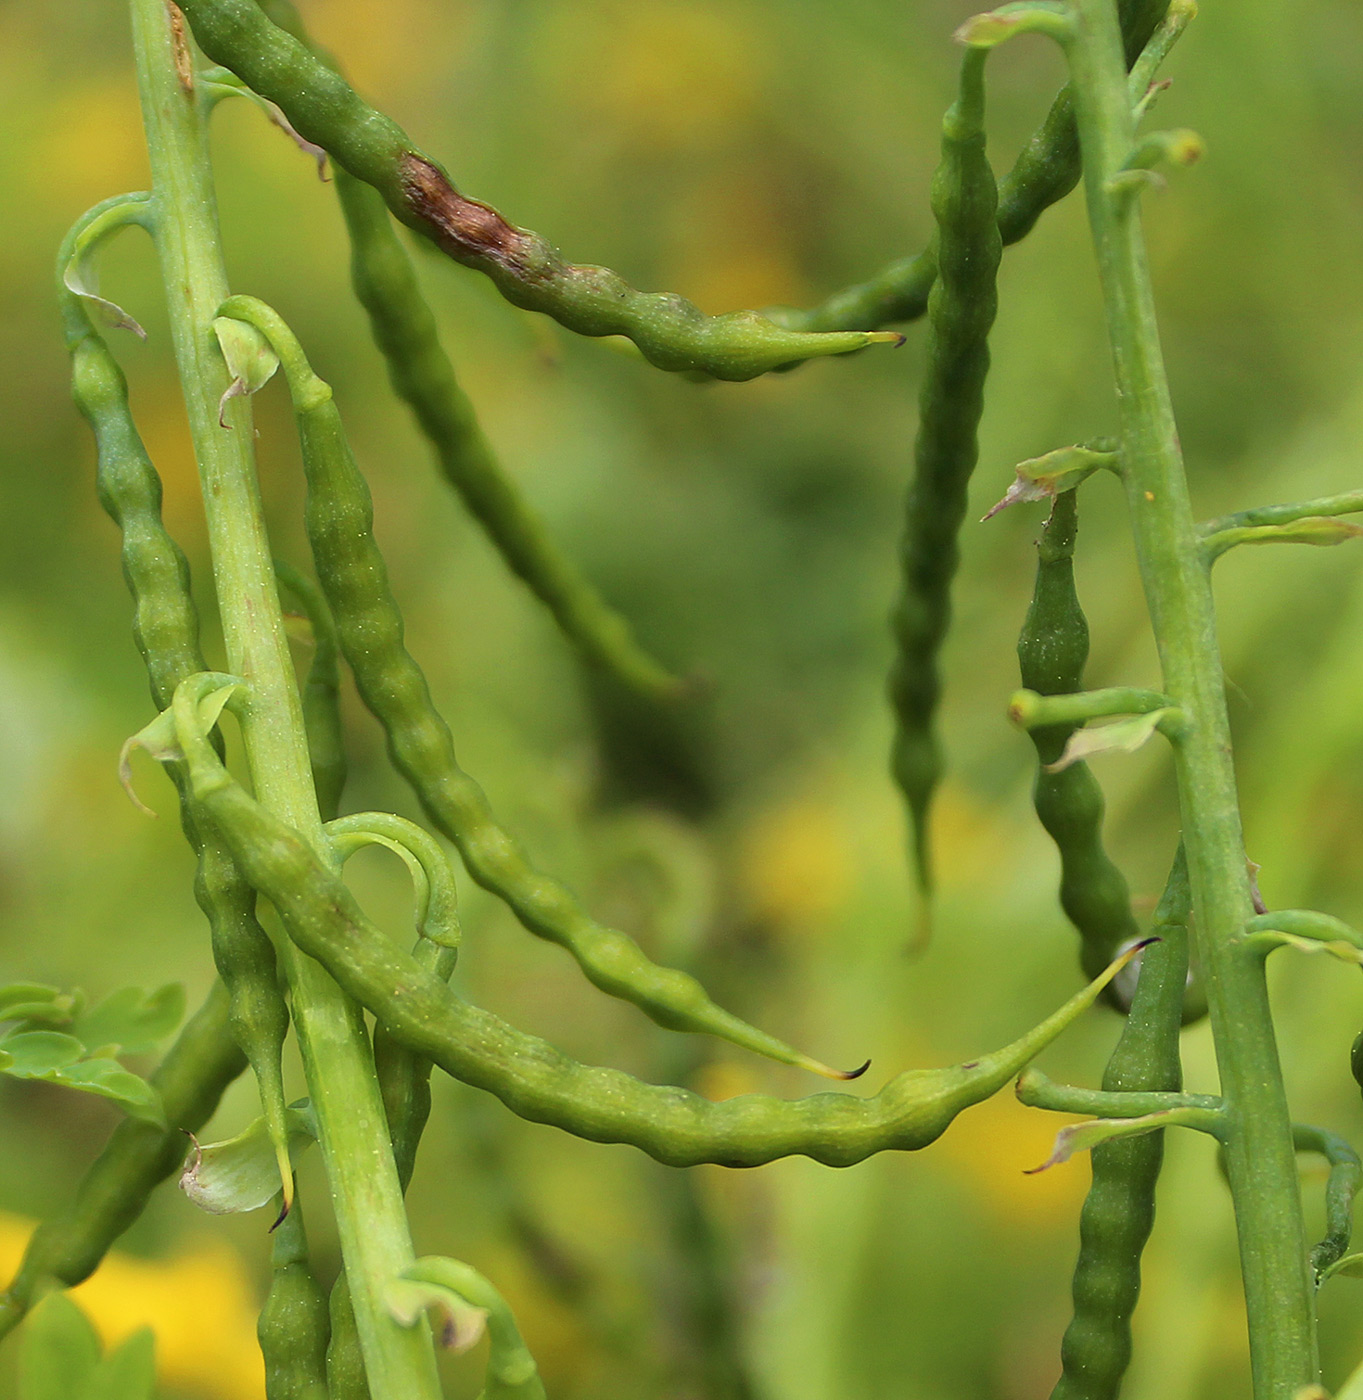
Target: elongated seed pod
[321, 695]
[293, 1327]
[960, 314]
[535, 1080]
[528, 271]
[138, 1157]
[1120, 1208]
[405, 331]
[339, 519]
[1052, 651]
[1046, 170]
[165, 627]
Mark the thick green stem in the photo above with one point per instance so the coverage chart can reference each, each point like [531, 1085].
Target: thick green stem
[1258, 1130]
[336, 1054]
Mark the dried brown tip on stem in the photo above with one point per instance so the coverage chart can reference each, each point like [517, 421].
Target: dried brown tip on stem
[845, 1074]
[281, 1217]
[892, 338]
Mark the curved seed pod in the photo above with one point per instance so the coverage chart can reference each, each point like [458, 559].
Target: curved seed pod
[405, 1078]
[1044, 173]
[166, 629]
[960, 313]
[1346, 1174]
[294, 1327]
[423, 377]
[529, 272]
[321, 692]
[1120, 1209]
[339, 518]
[138, 1157]
[1052, 649]
[533, 1079]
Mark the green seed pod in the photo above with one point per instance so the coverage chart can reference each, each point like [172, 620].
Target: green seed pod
[138, 1157]
[960, 313]
[166, 628]
[1052, 650]
[1044, 173]
[294, 1326]
[422, 375]
[533, 1079]
[339, 518]
[1120, 1209]
[321, 693]
[529, 272]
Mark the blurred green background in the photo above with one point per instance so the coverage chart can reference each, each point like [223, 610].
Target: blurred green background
[747, 152]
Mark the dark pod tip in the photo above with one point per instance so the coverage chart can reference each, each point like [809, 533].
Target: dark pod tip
[854, 1073]
[281, 1217]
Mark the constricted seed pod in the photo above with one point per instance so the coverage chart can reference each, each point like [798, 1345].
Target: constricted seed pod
[1052, 651]
[166, 629]
[1046, 170]
[536, 1081]
[1120, 1208]
[294, 1326]
[960, 314]
[405, 331]
[528, 271]
[339, 519]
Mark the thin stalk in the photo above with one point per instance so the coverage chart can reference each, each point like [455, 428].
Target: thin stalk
[331, 1032]
[1258, 1130]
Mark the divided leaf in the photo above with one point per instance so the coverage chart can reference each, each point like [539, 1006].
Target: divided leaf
[130, 1021]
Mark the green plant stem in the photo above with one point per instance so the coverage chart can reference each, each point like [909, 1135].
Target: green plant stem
[336, 1055]
[1258, 1130]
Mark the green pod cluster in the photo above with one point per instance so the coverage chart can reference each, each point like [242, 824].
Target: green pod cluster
[293, 1327]
[339, 520]
[321, 695]
[1046, 170]
[538, 1082]
[1052, 651]
[421, 373]
[165, 626]
[527, 270]
[1119, 1211]
[138, 1157]
[960, 314]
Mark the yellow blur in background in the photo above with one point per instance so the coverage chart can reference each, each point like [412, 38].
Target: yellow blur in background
[744, 153]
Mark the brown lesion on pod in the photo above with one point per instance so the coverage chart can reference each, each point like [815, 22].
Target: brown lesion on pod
[464, 228]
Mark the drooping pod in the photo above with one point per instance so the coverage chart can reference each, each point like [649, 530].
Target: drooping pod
[537, 1082]
[405, 331]
[1052, 651]
[321, 693]
[528, 271]
[339, 519]
[1120, 1208]
[293, 1327]
[166, 630]
[960, 314]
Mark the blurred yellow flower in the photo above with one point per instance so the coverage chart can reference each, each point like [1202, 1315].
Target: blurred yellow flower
[201, 1306]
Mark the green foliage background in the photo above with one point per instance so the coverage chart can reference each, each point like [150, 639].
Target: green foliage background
[743, 153]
